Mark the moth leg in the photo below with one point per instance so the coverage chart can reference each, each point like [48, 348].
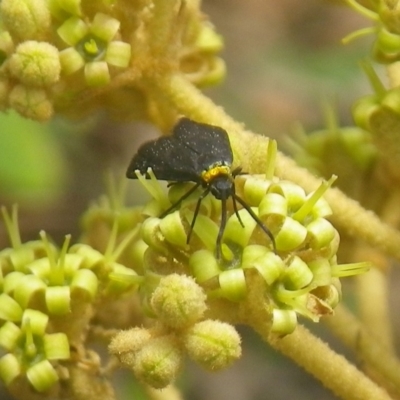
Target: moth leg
[235, 205]
[177, 204]
[196, 212]
[258, 220]
[221, 229]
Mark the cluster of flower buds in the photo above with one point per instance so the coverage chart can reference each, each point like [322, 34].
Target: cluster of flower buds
[46, 302]
[156, 355]
[51, 51]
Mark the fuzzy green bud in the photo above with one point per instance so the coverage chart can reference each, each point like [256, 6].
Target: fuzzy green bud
[31, 102]
[126, 344]
[213, 344]
[35, 64]
[26, 19]
[158, 362]
[178, 301]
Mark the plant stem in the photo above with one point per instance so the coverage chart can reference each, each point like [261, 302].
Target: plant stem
[368, 348]
[332, 369]
[372, 299]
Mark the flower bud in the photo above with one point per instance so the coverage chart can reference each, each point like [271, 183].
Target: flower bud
[35, 64]
[178, 301]
[31, 102]
[126, 344]
[26, 19]
[213, 344]
[158, 362]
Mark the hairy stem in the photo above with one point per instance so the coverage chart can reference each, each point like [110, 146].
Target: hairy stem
[332, 369]
[368, 348]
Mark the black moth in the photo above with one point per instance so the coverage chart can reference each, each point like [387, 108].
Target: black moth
[199, 153]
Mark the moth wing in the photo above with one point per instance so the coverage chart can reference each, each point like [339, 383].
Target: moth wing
[168, 159]
[210, 143]
[192, 148]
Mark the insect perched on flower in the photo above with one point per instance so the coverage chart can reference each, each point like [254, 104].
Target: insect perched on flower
[199, 153]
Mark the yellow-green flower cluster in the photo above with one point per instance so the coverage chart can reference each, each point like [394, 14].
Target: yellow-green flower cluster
[46, 301]
[53, 50]
[348, 152]
[301, 277]
[156, 355]
[385, 15]
[379, 114]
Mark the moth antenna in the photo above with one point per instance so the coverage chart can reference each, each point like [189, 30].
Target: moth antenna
[258, 220]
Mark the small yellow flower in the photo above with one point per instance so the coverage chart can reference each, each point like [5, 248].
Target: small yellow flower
[92, 47]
